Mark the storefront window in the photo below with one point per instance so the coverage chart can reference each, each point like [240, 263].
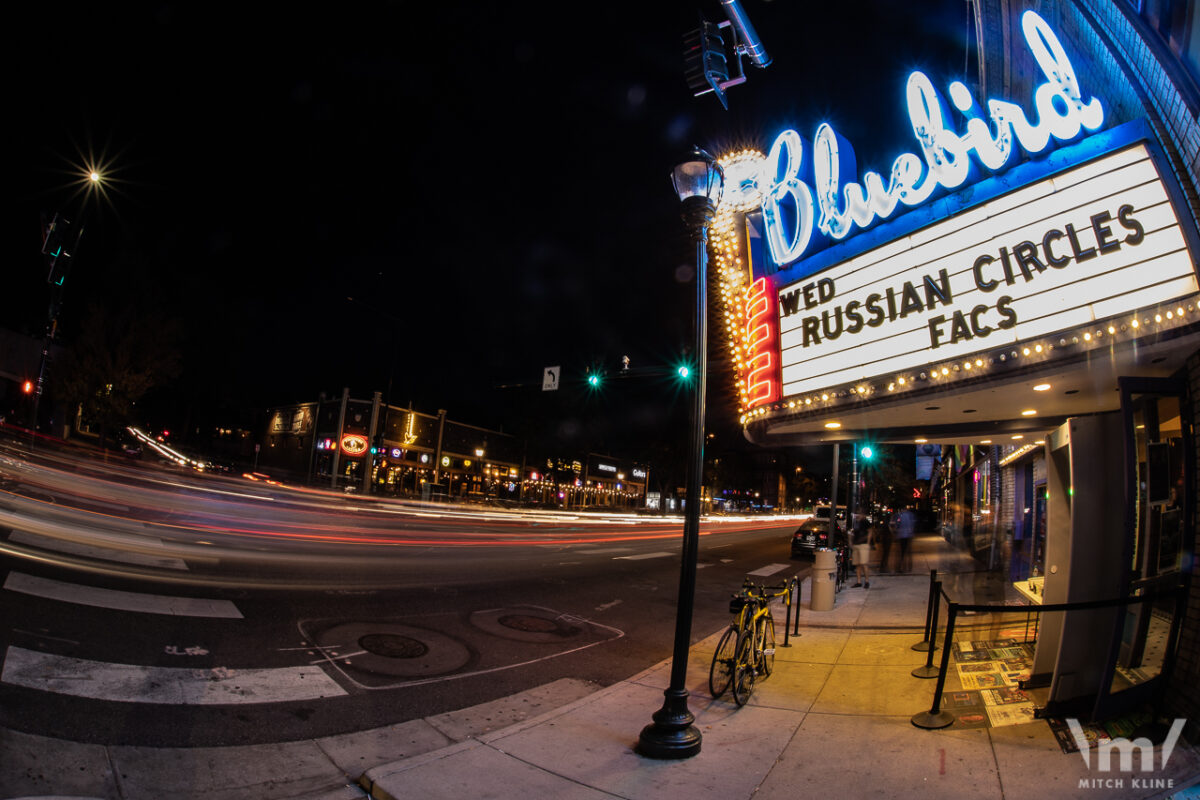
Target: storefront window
[1158, 437]
[1156, 545]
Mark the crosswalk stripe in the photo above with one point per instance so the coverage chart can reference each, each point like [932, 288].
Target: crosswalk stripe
[91, 551]
[119, 600]
[129, 683]
[641, 556]
[769, 569]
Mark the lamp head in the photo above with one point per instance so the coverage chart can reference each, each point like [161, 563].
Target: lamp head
[699, 175]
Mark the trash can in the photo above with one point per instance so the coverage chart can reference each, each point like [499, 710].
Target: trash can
[824, 576]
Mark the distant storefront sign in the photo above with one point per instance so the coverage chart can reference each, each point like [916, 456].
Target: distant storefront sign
[354, 444]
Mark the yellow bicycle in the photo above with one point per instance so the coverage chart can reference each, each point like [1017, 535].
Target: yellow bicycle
[746, 650]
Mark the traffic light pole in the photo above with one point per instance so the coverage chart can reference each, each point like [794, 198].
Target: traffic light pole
[56, 276]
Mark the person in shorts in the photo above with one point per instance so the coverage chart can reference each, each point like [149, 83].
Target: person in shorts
[862, 536]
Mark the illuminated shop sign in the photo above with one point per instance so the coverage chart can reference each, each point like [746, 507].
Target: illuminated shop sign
[1075, 252]
[639, 473]
[810, 188]
[354, 445]
[606, 468]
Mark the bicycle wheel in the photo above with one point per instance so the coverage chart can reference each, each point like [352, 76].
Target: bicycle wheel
[744, 672]
[720, 674]
[767, 647]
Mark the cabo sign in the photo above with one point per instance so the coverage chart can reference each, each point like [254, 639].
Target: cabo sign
[791, 207]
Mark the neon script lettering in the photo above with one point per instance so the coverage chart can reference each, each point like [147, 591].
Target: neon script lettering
[835, 205]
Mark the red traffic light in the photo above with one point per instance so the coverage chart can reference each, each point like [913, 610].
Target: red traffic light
[27, 387]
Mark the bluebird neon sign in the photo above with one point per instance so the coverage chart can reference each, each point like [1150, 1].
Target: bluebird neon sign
[798, 197]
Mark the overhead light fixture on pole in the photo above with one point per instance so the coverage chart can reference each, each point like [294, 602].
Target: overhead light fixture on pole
[698, 181]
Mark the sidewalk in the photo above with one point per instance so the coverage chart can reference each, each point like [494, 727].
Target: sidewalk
[835, 716]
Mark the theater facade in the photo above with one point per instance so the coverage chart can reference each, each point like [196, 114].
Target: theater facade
[1019, 291]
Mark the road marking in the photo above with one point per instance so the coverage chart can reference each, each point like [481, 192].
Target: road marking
[606, 606]
[769, 569]
[36, 635]
[643, 556]
[128, 683]
[119, 600]
[91, 551]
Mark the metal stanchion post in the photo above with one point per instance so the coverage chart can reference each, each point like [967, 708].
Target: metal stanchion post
[929, 671]
[935, 718]
[796, 583]
[925, 644]
[787, 620]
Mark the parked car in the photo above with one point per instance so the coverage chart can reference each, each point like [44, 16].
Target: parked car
[814, 532]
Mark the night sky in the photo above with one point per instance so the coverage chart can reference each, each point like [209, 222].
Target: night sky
[488, 182]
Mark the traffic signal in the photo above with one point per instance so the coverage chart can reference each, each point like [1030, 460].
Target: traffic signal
[593, 380]
[684, 372]
[867, 452]
[54, 238]
[56, 245]
[27, 387]
[704, 64]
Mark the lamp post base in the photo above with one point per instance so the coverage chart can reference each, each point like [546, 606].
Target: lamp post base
[672, 734]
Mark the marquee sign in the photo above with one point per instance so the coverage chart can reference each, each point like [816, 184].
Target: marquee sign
[1088, 246]
[965, 248]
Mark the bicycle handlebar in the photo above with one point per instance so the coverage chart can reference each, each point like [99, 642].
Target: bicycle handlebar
[748, 586]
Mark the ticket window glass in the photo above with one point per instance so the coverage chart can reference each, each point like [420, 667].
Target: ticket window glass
[1037, 546]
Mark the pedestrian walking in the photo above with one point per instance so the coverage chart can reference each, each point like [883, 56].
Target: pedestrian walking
[905, 527]
[885, 533]
[862, 537]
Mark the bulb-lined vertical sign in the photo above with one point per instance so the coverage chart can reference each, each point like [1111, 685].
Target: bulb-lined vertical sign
[762, 341]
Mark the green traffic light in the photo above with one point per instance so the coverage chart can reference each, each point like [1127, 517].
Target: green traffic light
[868, 453]
[593, 380]
[684, 371]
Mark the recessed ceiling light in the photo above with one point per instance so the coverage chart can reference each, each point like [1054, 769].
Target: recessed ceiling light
[986, 441]
[1029, 412]
[1042, 387]
[1040, 441]
[1019, 436]
[833, 425]
[920, 441]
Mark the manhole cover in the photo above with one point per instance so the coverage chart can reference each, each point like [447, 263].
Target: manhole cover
[375, 654]
[528, 624]
[392, 645]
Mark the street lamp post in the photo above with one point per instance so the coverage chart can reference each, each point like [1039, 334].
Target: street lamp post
[698, 182]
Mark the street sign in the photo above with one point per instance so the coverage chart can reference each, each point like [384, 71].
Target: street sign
[550, 379]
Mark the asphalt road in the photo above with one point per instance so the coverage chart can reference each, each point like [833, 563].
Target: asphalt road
[159, 608]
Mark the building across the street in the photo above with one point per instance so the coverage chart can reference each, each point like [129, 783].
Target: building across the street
[1016, 295]
[373, 447]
